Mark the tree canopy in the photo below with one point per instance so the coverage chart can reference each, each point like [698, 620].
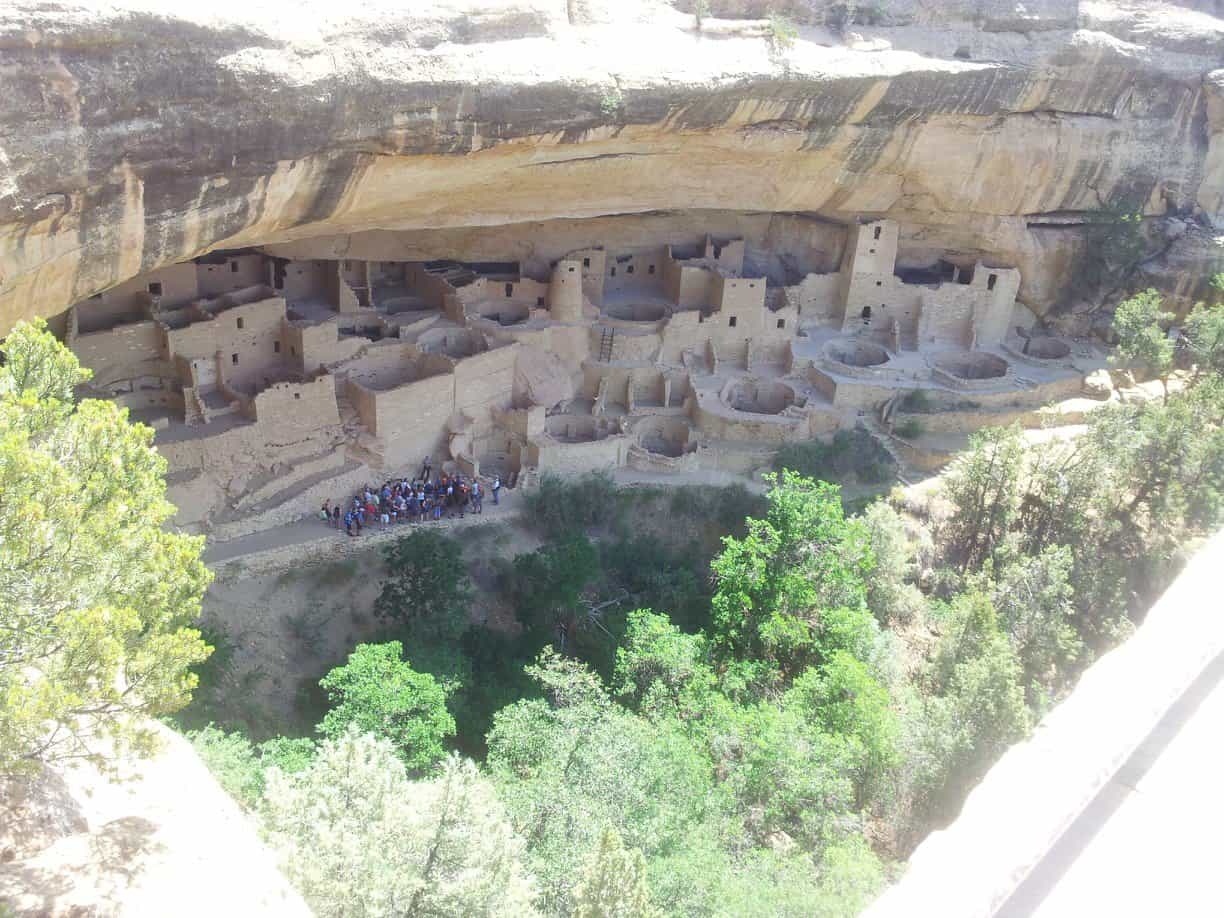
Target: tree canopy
[378, 692]
[1139, 323]
[426, 590]
[358, 838]
[97, 596]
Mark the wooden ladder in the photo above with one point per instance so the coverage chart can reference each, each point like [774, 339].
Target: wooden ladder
[605, 343]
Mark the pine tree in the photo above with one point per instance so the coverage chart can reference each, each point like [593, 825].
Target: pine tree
[357, 837]
[613, 882]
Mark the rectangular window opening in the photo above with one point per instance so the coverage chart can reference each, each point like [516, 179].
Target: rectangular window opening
[629, 270]
[586, 262]
[732, 322]
[781, 323]
[240, 322]
[876, 235]
[234, 359]
[991, 280]
[509, 289]
[650, 269]
[275, 347]
[233, 267]
[155, 288]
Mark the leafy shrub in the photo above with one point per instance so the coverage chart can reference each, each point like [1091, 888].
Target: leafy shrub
[357, 837]
[917, 402]
[849, 452]
[781, 33]
[378, 692]
[568, 505]
[909, 429]
[239, 766]
[427, 589]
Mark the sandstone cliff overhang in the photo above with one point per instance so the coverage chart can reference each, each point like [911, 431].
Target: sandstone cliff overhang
[137, 134]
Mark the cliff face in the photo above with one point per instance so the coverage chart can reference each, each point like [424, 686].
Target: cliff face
[160, 837]
[144, 133]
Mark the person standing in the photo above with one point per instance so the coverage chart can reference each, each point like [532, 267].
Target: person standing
[496, 489]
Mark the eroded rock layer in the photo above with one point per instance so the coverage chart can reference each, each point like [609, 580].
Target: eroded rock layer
[138, 135]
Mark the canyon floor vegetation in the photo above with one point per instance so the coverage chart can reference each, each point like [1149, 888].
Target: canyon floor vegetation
[646, 701]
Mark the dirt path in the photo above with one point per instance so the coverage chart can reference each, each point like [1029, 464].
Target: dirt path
[313, 531]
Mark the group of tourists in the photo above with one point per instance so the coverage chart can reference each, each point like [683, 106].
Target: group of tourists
[426, 497]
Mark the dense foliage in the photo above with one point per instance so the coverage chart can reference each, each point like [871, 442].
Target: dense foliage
[378, 692]
[96, 596]
[358, 837]
[711, 701]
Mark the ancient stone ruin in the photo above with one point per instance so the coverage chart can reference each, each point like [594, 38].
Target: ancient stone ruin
[274, 383]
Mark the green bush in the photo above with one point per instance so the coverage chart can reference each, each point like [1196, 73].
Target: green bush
[909, 429]
[917, 402]
[850, 452]
[781, 33]
[562, 506]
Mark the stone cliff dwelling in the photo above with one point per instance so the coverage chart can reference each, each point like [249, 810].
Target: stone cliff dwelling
[275, 383]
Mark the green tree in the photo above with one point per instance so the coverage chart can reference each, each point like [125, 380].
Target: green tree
[378, 692]
[548, 585]
[794, 589]
[889, 596]
[358, 838]
[1139, 323]
[426, 589]
[983, 486]
[657, 663]
[971, 709]
[766, 884]
[613, 883]
[240, 767]
[573, 763]
[844, 700]
[1204, 332]
[786, 777]
[1034, 600]
[98, 593]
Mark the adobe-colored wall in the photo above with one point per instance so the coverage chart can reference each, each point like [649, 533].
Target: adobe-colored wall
[565, 291]
[594, 270]
[179, 286]
[258, 343]
[872, 247]
[121, 353]
[412, 419]
[237, 272]
[743, 297]
[634, 271]
[889, 300]
[288, 408]
[993, 315]
[688, 286]
[485, 380]
[576, 458]
[303, 280]
[817, 296]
